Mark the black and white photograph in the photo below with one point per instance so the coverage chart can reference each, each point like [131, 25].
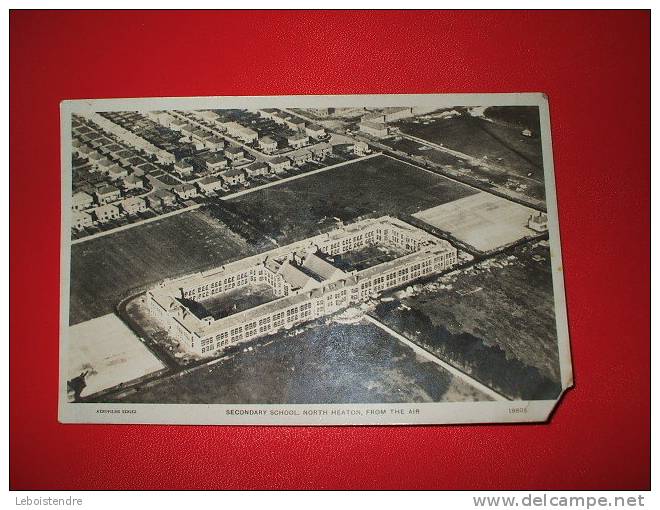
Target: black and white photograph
[383, 259]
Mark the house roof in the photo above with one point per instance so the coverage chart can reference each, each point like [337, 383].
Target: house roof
[209, 179]
[232, 172]
[184, 187]
[116, 169]
[182, 164]
[133, 201]
[315, 127]
[234, 150]
[78, 215]
[106, 190]
[279, 159]
[162, 193]
[373, 125]
[107, 207]
[295, 277]
[81, 197]
[132, 179]
[298, 136]
[215, 159]
[320, 267]
[258, 165]
[267, 139]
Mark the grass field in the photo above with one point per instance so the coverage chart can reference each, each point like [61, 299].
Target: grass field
[324, 364]
[483, 221]
[380, 185]
[511, 155]
[106, 269]
[505, 302]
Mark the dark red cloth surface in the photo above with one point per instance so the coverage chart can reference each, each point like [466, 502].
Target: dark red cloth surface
[594, 66]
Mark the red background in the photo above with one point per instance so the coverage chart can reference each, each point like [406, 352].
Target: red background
[594, 66]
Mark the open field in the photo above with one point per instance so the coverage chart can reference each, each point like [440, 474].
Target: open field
[497, 317]
[380, 185]
[483, 221]
[109, 352]
[324, 364]
[514, 160]
[107, 269]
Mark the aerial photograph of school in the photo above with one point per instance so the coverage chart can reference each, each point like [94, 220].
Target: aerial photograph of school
[309, 256]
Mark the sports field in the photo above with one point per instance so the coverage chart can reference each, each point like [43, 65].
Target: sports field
[483, 221]
[106, 269]
[108, 352]
[380, 185]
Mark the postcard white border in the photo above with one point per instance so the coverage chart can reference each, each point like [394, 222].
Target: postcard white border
[298, 414]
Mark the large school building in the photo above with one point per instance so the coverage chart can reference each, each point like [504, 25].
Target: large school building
[301, 279]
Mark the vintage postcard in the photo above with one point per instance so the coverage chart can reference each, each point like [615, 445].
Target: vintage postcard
[322, 260]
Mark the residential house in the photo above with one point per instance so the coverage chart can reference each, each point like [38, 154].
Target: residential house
[315, 131]
[214, 143]
[279, 164]
[185, 191]
[322, 150]
[117, 172]
[298, 140]
[209, 184]
[133, 182]
[95, 158]
[105, 165]
[295, 123]
[301, 157]
[233, 176]
[183, 168]
[257, 168]
[81, 219]
[107, 194]
[234, 153]
[198, 137]
[81, 200]
[161, 198]
[215, 163]
[268, 145]
[361, 149]
[106, 213]
[280, 118]
[133, 205]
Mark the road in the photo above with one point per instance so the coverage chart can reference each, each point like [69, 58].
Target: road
[135, 224]
[300, 176]
[432, 357]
